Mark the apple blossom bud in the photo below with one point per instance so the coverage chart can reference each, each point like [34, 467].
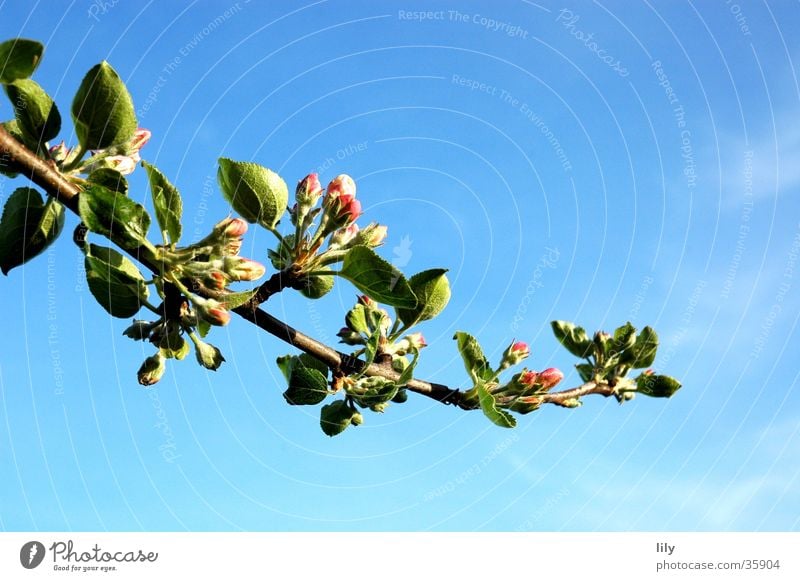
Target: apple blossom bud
[550, 377]
[212, 311]
[59, 152]
[216, 279]
[208, 356]
[372, 235]
[341, 188]
[528, 378]
[232, 246]
[140, 138]
[152, 370]
[139, 330]
[515, 353]
[416, 341]
[350, 211]
[343, 236]
[230, 227]
[124, 164]
[308, 191]
[367, 302]
[239, 268]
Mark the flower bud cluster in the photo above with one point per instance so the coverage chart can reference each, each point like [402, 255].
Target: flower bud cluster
[123, 159]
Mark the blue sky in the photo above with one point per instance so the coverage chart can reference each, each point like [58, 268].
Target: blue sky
[596, 162]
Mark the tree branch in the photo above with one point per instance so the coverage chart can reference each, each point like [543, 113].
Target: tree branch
[46, 176]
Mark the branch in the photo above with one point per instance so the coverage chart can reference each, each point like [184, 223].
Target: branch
[55, 184]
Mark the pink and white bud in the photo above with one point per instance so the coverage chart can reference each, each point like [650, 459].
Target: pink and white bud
[344, 236]
[350, 211]
[372, 235]
[342, 188]
[212, 311]
[308, 191]
[416, 341]
[528, 378]
[235, 227]
[124, 164]
[550, 377]
[139, 140]
[239, 268]
[367, 302]
[59, 152]
[216, 280]
[232, 246]
[515, 353]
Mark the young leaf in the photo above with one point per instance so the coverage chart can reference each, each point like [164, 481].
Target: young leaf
[408, 372]
[315, 287]
[657, 385]
[103, 110]
[624, 338]
[643, 352]
[377, 278]
[335, 417]
[375, 392]
[28, 226]
[586, 371]
[114, 216]
[19, 57]
[35, 111]
[356, 319]
[432, 290]
[572, 337]
[307, 384]
[115, 282]
[474, 360]
[110, 179]
[258, 194]
[166, 201]
[234, 300]
[489, 407]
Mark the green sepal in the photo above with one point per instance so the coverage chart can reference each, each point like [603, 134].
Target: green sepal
[19, 57]
[377, 278]
[102, 109]
[28, 226]
[166, 203]
[114, 281]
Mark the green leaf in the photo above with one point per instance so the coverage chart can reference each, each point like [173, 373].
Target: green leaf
[315, 287]
[377, 278]
[308, 385]
[489, 407]
[624, 337]
[474, 360]
[178, 348]
[203, 327]
[114, 216]
[432, 290]
[35, 111]
[572, 337]
[335, 417]
[115, 282]
[408, 372]
[234, 300]
[103, 110]
[110, 179]
[28, 226]
[166, 201]
[356, 319]
[258, 194]
[19, 57]
[586, 371]
[374, 392]
[643, 352]
[657, 385]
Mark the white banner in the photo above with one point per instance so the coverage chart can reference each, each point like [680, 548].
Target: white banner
[389, 556]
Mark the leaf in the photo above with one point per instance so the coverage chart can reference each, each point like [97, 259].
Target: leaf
[103, 110]
[474, 360]
[110, 179]
[166, 201]
[375, 392]
[307, 384]
[489, 407]
[35, 111]
[408, 372]
[356, 319]
[643, 352]
[657, 385]
[432, 290]
[258, 194]
[19, 57]
[203, 327]
[28, 226]
[572, 337]
[115, 281]
[335, 417]
[114, 216]
[624, 337]
[234, 300]
[586, 371]
[377, 278]
[315, 287]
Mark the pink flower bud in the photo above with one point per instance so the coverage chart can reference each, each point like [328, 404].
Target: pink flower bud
[59, 152]
[529, 378]
[243, 268]
[124, 164]
[551, 377]
[139, 139]
[350, 211]
[236, 227]
[212, 311]
[416, 340]
[341, 188]
[216, 280]
[343, 236]
[515, 353]
[308, 190]
[367, 302]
